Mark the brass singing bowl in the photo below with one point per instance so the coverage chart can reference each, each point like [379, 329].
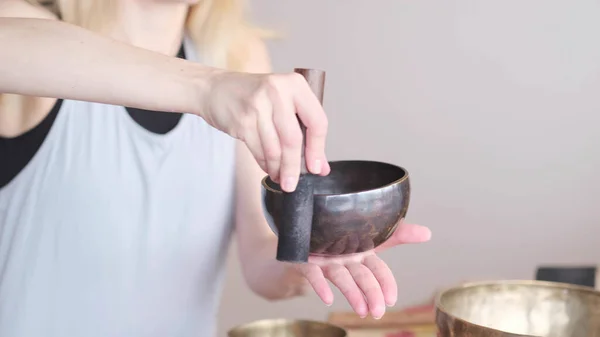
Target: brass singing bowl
[287, 328]
[518, 308]
[357, 206]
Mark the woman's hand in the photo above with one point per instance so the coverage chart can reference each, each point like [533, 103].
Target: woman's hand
[261, 110]
[364, 279]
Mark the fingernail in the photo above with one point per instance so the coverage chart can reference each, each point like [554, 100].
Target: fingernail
[316, 169]
[378, 312]
[289, 184]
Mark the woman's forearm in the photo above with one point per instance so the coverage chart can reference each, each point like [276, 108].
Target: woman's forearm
[271, 279]
[49, 58]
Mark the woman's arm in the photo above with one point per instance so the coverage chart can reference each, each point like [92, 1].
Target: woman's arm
[49, 58]
[256, 243]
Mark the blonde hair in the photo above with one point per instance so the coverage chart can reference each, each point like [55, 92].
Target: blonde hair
[219, 28]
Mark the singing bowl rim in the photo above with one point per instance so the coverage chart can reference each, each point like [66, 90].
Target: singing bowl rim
[400, 180]
[284, 321]
[545, 284]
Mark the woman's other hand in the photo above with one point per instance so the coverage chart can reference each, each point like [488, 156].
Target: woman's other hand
[261, 110]
[364, 279]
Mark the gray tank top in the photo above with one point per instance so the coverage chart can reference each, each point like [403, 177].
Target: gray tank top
[112, 230]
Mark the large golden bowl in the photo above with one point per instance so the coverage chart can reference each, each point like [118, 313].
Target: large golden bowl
[518, 308]
[287, 328]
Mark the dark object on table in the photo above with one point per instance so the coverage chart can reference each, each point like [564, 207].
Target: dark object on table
[287, 328]
[294, 235]
[357, 206]
[583, 276]
[518, 308]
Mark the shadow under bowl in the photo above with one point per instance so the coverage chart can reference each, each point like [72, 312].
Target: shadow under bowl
[357, 206]
[287, 328]
[518, 308]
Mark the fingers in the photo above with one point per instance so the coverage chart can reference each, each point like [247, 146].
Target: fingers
[253, 143]
[406, 234]
[290, 137]
[311, 113]
[411, 233]
[303, 104]
[340, 276]
[271, 129]
[368, 284]
[269, 137]
[385, 278]
[364, 279]
[314, 276]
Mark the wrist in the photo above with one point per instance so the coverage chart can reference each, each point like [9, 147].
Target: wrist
[198, 82]
[297, 284]
[272, 279]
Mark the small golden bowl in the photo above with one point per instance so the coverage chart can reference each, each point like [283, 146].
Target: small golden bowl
[287, 328]
[518, 308]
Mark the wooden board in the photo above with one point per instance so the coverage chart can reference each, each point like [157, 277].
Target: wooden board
[395, 319]
[418, 321]
[416, 331]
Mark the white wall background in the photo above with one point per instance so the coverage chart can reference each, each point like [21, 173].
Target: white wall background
[492, 106]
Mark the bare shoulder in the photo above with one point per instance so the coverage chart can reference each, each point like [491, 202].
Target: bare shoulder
[21, 113]
[27, 9]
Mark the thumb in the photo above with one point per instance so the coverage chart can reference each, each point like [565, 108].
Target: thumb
[405, 234]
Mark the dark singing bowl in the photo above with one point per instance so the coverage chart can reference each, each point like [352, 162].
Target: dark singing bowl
[518, 308]
[287, 328]
[357, 206]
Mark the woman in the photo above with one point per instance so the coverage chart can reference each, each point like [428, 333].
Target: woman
[118, 200]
